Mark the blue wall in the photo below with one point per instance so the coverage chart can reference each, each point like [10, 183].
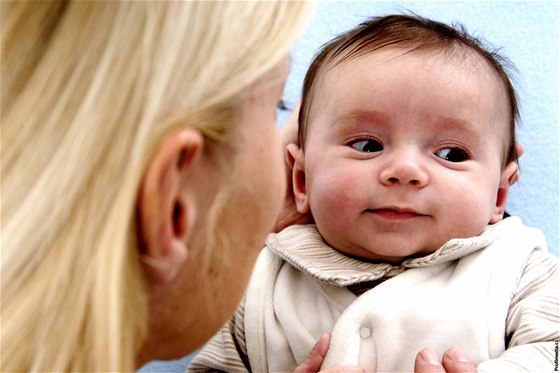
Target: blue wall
[527, 32]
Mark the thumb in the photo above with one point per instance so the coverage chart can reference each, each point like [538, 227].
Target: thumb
[313, 362]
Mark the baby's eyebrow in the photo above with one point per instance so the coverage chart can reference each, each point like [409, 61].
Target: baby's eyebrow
[357, 119]
[453, 124]
[456, 127]
[362, 116]
[449, 122]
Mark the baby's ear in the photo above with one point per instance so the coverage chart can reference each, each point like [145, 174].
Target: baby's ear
[518, 153]
[295, 158]
[509, 175]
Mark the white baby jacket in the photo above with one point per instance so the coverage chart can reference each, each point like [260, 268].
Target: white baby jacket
[460, 295]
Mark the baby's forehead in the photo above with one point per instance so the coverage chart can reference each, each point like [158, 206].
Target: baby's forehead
[466, 61]
[457, 56]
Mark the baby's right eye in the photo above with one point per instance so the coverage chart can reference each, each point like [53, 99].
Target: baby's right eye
[367, 146]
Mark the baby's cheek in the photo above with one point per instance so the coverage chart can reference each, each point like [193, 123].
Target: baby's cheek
[331, 205]
[471, 219]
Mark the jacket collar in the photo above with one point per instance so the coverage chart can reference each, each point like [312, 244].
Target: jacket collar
[303, 247]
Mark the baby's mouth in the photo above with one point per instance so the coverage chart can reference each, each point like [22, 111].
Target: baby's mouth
[395, 213]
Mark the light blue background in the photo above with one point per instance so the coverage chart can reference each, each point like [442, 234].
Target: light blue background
[527, 32]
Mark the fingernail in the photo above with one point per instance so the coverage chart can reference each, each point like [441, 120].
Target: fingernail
[323, 337]
[456, 354]
[430, 356]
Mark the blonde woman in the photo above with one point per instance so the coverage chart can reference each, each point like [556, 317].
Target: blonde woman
[141, 171]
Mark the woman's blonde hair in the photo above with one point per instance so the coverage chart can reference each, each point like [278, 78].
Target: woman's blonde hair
[89, 89]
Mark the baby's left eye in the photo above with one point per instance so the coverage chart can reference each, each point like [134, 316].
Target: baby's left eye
[453, 154]
[367, 146]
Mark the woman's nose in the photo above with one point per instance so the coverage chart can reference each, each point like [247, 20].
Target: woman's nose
[404, 168]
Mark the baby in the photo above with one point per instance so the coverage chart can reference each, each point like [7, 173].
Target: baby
[407, 152]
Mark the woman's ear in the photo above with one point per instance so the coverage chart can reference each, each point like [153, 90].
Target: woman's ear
[165, 211]
[295, 158]
[508, 177]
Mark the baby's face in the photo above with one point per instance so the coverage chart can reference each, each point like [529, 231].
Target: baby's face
[404, 152]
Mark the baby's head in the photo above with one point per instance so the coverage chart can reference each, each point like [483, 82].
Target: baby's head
[407, 133]
[406, 34]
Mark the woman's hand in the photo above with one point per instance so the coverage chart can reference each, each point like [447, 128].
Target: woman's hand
[289, 214]
[454, 361]
[315, 358]
[427, 361]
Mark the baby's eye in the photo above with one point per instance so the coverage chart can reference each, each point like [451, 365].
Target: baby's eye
[453, 154]
[367, 146]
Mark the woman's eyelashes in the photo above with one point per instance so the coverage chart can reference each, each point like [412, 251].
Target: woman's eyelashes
[282, 105]
[451, 154]
[367, 145]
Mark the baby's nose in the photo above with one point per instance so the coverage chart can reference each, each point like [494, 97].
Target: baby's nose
[404, 169]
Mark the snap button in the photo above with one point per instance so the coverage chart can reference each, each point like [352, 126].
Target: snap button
[365, 332]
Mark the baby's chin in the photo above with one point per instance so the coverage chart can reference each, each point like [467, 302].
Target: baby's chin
[386, 247]
[374, 254]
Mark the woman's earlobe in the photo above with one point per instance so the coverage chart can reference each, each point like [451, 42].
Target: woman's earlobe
[164, 212]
